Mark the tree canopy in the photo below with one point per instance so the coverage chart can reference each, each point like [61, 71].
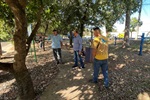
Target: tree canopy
[134, 23]
[64, 15]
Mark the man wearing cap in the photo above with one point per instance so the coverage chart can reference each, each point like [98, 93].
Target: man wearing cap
[100, 54]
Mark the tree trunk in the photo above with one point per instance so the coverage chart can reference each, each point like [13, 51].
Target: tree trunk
[127, 28]
[30, 38]
[22, 76]
[0, 50]
[70, 39]
[131, 34]
[81, 29]
[139, 17]
[26, 90]
[46, 28]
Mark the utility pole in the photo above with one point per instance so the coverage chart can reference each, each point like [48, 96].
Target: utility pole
[139, 18]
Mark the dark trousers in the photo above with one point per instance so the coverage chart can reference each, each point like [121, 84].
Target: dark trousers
[57, 54]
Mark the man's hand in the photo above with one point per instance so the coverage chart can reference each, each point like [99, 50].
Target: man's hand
[80, 52]
[61, 44]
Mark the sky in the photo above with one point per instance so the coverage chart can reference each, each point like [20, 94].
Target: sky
[145, 18]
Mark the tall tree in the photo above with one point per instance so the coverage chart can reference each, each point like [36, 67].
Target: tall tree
[131, 7]
[22, 76]
[21, 15]
[139, 17]
[127, 26]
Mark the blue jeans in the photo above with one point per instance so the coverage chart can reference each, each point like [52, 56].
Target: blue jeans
[104, 67]
[76, 57]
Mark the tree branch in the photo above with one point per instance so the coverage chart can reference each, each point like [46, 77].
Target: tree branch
[30, 38]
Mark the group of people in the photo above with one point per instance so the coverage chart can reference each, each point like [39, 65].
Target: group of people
[99, 52]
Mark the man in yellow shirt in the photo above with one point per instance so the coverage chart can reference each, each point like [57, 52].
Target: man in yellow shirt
[100, 55]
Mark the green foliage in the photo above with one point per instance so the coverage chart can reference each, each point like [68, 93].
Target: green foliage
[6, 14]
[5, 31]
[65, 15]
[134, 23]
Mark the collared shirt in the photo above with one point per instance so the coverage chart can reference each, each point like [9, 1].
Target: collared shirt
[56, 41]
[77, 43]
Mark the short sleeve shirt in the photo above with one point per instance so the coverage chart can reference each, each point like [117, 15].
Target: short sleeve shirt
[101, 47]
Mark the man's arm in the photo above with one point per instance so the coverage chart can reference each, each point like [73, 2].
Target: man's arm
[105, 38]
[49, 38]
[61, 41]
[80, 45]
[94, 47]
[93, 52]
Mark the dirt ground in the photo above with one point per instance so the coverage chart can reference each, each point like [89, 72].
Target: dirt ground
[128, 73]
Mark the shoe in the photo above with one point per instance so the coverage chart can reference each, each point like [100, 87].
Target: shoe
[74, 66]
[91, 81]
[81, 67]
[57, 62]
[61, 62]
[108, 86]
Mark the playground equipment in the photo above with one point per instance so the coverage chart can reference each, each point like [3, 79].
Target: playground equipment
[88, 55]
[33, 42]
[141, 44]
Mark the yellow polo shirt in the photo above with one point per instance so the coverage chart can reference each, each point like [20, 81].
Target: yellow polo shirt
[101, 46]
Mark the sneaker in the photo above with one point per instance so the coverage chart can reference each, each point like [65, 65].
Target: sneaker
[57, 62]
[74, 66]
[61, 62]
[108, 86]
[82, 67]
[91, 81]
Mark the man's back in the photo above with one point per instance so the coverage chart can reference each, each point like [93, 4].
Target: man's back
[77, 43]
[101, 47]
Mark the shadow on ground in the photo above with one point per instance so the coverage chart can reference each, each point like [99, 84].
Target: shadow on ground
[129, 77]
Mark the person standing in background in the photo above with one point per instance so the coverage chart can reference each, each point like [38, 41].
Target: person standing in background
[41, 42]
[77, 47]
[56, 46]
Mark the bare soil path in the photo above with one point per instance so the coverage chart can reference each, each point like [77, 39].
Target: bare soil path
[128, 72]
[129, 75]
